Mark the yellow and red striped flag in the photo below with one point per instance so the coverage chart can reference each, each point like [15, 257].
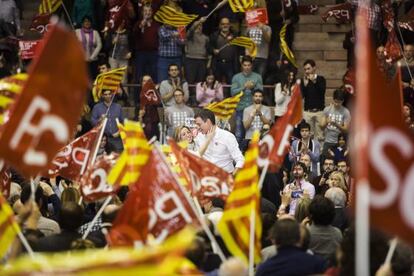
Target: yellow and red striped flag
[225, 109]
[241, 205]
[10, 87]
[245, 42]
[8, 226]
[49, 6]
[108, 81]
[169, 16]
[241, 5]
[285, 48]
[135, 155]
[164, 259]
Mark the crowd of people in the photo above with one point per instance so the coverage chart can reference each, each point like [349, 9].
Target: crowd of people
[307, 227]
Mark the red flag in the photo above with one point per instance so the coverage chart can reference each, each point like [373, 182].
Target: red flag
[208, 180]
[149, 95]
[349, 81]
[41, 23]
[387, 14]
[72, 160]
[384, 147]
[341, 12]
[407, 21]
[93, 184]
[49, 106]
[307, 9]
[27, 48]
[118, 12]
[156, 204]
[275, 145]
[5, 180]
[392, 51]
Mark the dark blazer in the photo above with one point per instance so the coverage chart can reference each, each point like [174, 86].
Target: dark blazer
[291, 260]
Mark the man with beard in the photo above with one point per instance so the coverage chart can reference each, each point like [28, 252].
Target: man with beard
[255, 117]
[168, 86]
[298, 188]
[320, 182]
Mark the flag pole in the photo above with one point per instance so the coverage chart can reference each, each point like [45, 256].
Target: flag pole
[194, 209]
[67, 15]
[98, 214]
[251, 239]
[362, 228]
[391, 251]
[219, 5]
[25, 243]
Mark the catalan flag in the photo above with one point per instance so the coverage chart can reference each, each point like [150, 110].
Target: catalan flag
[247, 43]
[108, 81]
[8, 226]
[10, 87]
[225, 109]
[285, 48]
[121, 130]
[135, 155]
[49, 6]
[242, 204]
[241, 5]
[169, 16]
[164, 259]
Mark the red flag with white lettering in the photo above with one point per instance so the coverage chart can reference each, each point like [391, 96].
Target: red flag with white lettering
[93, 184]
[48, 109]
[73, 159]
[208, 181]
[5, 180]
[275, 145]
[118, 12]
[149, 95]
[342, 13]
[41, 23]
[383, 154]
[156, 205]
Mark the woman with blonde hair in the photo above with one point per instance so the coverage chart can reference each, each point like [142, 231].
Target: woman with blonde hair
[184, 134]
[337, 179]
[302, 209]
[70, 194]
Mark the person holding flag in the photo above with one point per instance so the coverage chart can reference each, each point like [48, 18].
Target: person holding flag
[107, 108]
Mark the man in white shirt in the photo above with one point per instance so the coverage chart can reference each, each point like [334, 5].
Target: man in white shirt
[218, 146]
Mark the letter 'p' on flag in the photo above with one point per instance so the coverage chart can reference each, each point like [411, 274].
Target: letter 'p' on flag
[45, 115]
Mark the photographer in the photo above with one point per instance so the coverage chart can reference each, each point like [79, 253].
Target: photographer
[297, 189]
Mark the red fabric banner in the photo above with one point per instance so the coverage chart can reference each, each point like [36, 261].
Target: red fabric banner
[149, 95]
[208, 181]
[5, 180]
[41, 23]
[93, 184]
[49, 106]
[342, 13]
[72, 160]
[384, 147]
[275, 145]
[256, 16]
[28, 48]
[155, 204]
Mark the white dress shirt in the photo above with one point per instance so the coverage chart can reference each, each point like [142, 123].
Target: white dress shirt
[222, 150]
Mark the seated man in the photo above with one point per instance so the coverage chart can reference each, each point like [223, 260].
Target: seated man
[290, 258]
[178, 114]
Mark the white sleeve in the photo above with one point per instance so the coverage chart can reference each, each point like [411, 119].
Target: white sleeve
[234, 150]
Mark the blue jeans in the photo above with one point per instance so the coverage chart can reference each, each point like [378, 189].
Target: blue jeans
[239, 131]
[146, 64]
[163, 63]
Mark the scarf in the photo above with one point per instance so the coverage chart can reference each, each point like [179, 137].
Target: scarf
[87, 44]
